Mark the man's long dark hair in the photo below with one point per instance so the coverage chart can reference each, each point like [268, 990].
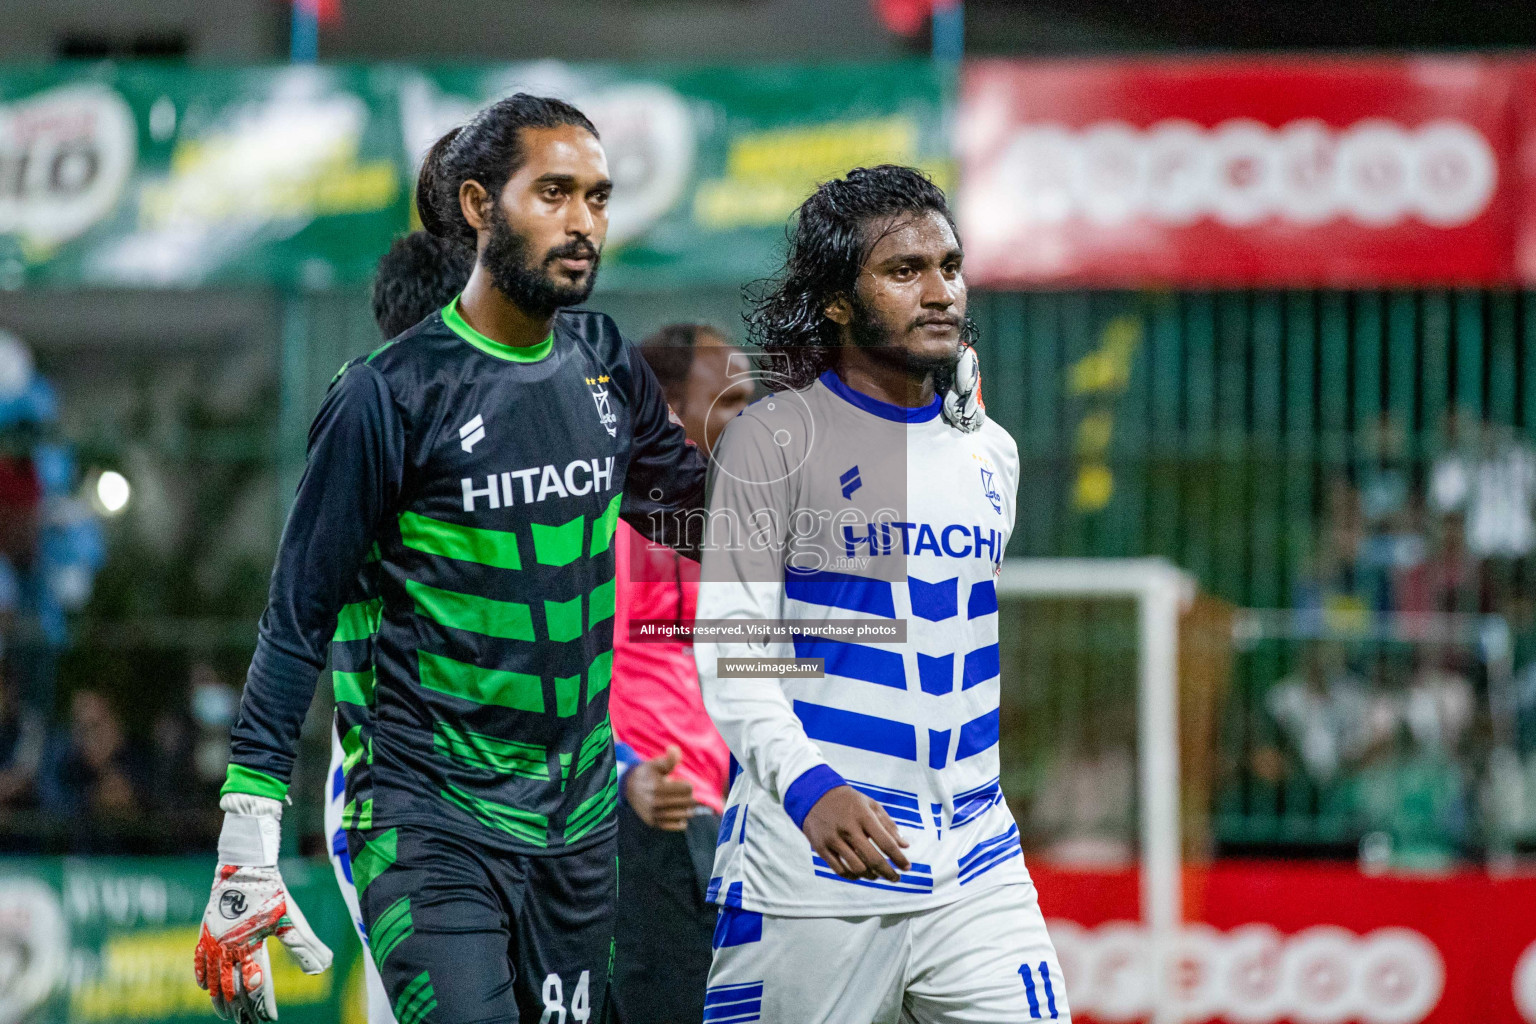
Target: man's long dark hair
[833, 234]
[419, 275]
[489, 149]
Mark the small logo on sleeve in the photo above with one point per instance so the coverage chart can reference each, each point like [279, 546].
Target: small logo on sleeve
[472, 433]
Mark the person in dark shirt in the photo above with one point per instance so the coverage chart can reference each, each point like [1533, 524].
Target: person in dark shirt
[482, 459]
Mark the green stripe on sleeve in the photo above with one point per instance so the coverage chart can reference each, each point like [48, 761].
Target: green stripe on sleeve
[594, 810]
[240, 779]
[531, 828]
[600, 605]
[496, 548]
[477, 750]
[507, 620]
[358, 621]
[604, 525]
[354, 687]
[516, 690]
[558, 545]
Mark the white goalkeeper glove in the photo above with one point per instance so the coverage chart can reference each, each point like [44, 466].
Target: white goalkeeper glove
[963, 408]
[249, 902]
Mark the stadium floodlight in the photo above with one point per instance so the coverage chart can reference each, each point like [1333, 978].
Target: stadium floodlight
[1161, 591]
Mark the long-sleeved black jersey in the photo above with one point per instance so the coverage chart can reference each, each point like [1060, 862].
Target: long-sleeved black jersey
[451, 544]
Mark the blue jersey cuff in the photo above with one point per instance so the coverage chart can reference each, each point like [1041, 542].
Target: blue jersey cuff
[803, 793]
[626, 757]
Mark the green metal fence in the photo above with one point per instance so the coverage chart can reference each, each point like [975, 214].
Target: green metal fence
[1205, 426]
[1245, 436]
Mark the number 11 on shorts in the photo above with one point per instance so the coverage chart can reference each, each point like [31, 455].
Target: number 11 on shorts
[1029, 989]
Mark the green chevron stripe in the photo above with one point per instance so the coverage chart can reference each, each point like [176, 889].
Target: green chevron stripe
[496, 548]
[597, 741]
[377, 856]
[354, 687]
[393, 927]
[531, 828]
[594, 810]
[507, 620]
[477, 750]
[358, 621]
[516, 690]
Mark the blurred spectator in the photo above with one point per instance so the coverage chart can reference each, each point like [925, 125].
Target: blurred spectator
[1337, 585]
[1490, 477]
[1438, 706]
[22, 737]
[214, 703]
[1450, 579]
[1326, 717]
[50, 543]
[91, 769]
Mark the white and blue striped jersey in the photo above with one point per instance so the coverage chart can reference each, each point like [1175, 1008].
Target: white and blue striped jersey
[827, 504]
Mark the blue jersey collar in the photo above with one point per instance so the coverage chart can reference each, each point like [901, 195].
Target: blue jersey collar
[885, 410]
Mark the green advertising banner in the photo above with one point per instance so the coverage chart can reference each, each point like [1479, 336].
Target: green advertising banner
[147, 176]
[110, 940]
[709, 163]
[144, 176]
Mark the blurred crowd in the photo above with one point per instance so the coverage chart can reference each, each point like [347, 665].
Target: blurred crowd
[73, 776]
[1410, 709]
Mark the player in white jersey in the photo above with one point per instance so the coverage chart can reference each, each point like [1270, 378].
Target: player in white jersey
[868, 868]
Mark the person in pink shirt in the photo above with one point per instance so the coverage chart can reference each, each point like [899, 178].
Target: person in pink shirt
[675, 765]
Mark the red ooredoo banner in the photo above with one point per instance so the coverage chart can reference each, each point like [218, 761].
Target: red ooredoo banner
[1262, 172]
[1304, 943]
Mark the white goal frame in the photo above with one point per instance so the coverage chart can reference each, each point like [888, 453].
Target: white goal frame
[1161, 592]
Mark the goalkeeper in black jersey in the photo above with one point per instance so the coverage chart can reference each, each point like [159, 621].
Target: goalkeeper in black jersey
[482, 459]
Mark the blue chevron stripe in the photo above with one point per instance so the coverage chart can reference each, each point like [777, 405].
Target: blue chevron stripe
[840, 590]
[862, 732]
[980, 665]
[855, 661]
[989, 853]
[934, 601]
[903, 807]
[973, 803]
[978, 735]
[983, 600]
[733, 1004]
[919, 879]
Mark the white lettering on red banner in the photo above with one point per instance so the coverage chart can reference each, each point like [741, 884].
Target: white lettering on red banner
[1377, 173]
[1253, 974]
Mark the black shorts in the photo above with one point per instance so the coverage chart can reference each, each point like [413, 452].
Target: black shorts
[463, 934]
[664, 924]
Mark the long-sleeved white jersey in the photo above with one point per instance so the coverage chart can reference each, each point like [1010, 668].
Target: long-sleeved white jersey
[828, 504]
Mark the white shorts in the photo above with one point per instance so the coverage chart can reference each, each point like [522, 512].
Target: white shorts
[984, 959]
[336, 848]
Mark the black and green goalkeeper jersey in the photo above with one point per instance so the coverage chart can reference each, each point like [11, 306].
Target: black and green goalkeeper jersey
[477, 487]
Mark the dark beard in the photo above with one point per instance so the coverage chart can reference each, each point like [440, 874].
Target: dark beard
[875, 339]
[532, 289]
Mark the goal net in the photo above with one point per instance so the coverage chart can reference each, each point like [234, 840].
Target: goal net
[1091, 711]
